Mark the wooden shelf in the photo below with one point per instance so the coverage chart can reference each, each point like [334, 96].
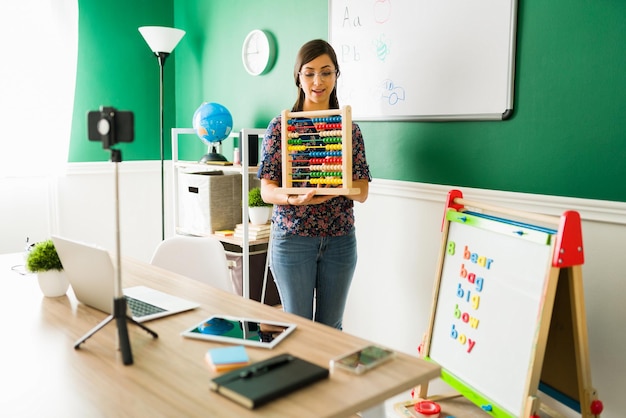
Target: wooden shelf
[239, 241]
[243, 169]
[194, 165]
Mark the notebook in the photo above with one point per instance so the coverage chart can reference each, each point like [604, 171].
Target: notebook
[90, 272]
[262, 382]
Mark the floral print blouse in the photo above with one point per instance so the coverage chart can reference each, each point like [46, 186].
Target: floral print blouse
[334, 217]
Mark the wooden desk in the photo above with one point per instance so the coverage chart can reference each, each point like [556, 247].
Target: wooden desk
[44, 376]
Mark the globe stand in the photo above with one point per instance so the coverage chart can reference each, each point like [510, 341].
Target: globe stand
[212, 156]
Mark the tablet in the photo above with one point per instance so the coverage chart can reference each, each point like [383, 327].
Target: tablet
[236, 330]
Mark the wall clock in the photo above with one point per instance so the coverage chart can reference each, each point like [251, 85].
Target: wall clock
[258, 52]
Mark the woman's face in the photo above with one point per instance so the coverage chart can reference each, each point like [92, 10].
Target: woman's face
[317, 79]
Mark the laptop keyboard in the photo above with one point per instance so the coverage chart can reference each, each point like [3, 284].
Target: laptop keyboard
[140, 308]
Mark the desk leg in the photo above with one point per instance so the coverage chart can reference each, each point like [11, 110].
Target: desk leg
[377, 411]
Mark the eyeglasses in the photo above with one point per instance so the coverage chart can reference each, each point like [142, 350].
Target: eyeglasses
[324, 75]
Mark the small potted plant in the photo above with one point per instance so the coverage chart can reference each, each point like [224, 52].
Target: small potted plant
[259, 211]
[43, 260]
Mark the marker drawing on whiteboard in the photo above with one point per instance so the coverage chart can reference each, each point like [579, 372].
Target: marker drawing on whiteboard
[392, 93]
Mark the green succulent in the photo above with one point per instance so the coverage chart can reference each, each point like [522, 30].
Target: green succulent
[43, 257]
[255, 199]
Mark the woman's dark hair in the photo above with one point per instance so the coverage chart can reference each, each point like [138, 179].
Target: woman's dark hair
[308, 52]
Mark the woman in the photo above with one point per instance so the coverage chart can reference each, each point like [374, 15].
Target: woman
[313, 247]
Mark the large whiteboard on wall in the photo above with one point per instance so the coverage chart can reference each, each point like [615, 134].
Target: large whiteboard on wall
[425, 59]
[490, 301]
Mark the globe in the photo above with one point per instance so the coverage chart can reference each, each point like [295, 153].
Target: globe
[212, 122]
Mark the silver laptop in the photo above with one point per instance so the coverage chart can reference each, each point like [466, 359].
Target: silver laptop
[90, 271]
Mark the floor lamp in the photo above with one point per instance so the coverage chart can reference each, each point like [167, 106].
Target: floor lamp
[162, 41]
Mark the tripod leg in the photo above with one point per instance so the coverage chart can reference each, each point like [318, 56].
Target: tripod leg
[142, 326]
[93, 331]
[121, 319]
[119, 312]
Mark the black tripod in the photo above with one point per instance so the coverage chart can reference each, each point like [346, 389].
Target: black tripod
[105, 131]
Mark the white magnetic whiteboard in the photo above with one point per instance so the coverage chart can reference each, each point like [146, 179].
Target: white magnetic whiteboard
[490, 301]
[425, 59]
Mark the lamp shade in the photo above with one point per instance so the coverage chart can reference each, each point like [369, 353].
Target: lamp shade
[160, 38]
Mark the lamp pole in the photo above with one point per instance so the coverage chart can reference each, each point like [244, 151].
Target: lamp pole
[161, 56]
[162, 41]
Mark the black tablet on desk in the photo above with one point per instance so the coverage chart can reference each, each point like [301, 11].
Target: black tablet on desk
[237, 330]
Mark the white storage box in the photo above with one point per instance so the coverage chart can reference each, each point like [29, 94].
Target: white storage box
[208, 201]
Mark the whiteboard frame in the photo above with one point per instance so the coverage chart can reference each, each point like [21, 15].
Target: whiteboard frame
[505, 114]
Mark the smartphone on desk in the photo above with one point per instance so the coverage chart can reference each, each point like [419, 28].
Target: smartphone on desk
[360, 361]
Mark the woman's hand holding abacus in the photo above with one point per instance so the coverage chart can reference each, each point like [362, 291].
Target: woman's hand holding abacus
[310, 198]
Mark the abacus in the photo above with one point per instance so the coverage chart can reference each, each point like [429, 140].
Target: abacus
[316, 152]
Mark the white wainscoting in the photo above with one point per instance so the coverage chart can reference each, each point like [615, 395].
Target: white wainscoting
[80, 204]
[86, 205]
[399, 237]
[399, 233]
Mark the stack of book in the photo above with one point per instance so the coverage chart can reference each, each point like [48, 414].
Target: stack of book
[225, 232]
[227, 358]
[254, 231]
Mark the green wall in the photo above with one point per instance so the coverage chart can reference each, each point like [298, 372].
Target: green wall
[565, 136]
[117, 68]
[209, 67]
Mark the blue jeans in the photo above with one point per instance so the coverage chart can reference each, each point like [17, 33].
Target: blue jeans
[308, 269]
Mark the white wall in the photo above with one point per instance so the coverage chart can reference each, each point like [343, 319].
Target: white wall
[399, 232]
[25, 211]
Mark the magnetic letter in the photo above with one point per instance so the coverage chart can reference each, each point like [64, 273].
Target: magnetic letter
[459, 291]
[475, 301]
[474, 322]
[463, 271]
[471, 277]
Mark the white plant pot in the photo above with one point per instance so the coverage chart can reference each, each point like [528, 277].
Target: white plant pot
[259, 215]
[53, 283]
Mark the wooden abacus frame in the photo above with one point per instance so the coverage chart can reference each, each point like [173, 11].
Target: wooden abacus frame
[345, 188]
